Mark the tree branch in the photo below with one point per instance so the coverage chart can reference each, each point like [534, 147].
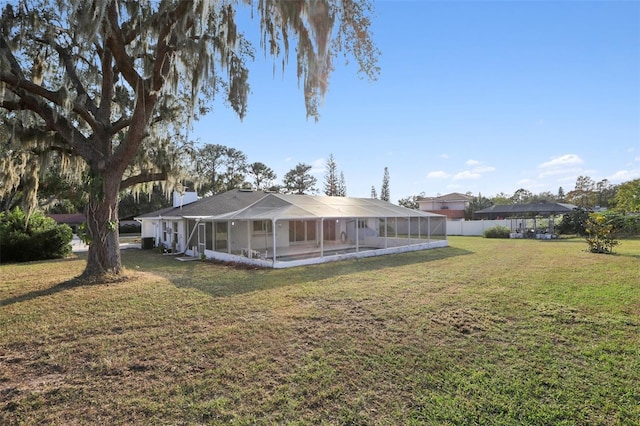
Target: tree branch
[115, 42]
[75, 140]
[142, 178]
[73, 76]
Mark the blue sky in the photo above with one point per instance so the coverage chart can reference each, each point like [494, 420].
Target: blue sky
[476, 96]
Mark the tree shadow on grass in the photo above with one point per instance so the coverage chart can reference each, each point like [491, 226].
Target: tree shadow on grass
[66, 285]
[224, 280]
[63, 286]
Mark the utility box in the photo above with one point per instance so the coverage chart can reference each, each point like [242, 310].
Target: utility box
[147, 243]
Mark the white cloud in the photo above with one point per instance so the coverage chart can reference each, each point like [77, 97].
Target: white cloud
[464, 175]
[562, 161]
[439, 174]
[483, 169]
[472, 162]
[561, 171]
[444, 156]
[318, 166]
[624, 175]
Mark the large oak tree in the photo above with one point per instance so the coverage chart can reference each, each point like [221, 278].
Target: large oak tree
[109, 86]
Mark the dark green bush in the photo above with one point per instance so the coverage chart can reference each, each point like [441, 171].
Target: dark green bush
[574, 222]
[497, 232]
[42, 238]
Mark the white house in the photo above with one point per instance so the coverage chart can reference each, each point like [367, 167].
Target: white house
[283, 230]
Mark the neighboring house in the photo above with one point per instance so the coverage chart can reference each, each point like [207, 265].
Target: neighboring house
[72, 219]
[451, 205]
[283, 230]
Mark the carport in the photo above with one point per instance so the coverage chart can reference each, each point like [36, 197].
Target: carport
[536, 220]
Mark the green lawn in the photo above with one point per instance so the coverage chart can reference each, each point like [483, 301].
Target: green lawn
[483, 332]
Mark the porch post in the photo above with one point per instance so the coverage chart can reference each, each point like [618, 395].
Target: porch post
[322, 237]
[357, 234]
[275, 230]
[249, 224]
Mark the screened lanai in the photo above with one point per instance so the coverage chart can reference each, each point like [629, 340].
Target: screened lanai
[282, 230]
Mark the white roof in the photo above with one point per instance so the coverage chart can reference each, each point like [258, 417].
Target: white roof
[290, 206]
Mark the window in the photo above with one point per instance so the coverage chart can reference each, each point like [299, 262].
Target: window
[208, 235]
[262, 227]
[302, 230]
[362, 223]
[329, 229]
[174, 238]
[221, 236]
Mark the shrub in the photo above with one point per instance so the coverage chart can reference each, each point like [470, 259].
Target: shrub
[600, 232]
[574, 222]
[39, 239]
[497, 232]
[623, 225]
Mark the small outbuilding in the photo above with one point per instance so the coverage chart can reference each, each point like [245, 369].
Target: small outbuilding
[284, 230]
[536, 220]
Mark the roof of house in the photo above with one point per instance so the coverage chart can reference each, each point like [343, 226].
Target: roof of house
[538, 208]
[72, 218]
[454, 196]
[258, 205]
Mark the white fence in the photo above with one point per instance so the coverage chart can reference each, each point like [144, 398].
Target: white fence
[477, 227]
[473, 227]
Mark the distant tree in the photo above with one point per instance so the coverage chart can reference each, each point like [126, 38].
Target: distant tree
[411, 202]
[342, 186]
[299, 181]
[220, 168]
[502, 199]
[605, 193]
[476, 203]
[561, 195]
[627, 198]
[133, 203]
[521, 196]
[263, 176]
[385, 191]
[374, 194]
[331, 177]
[583, 195]
[543, 197]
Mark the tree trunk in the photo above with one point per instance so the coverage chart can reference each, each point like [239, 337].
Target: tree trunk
[102, 227]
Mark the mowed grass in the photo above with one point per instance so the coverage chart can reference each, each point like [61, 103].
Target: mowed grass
[483, 332]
